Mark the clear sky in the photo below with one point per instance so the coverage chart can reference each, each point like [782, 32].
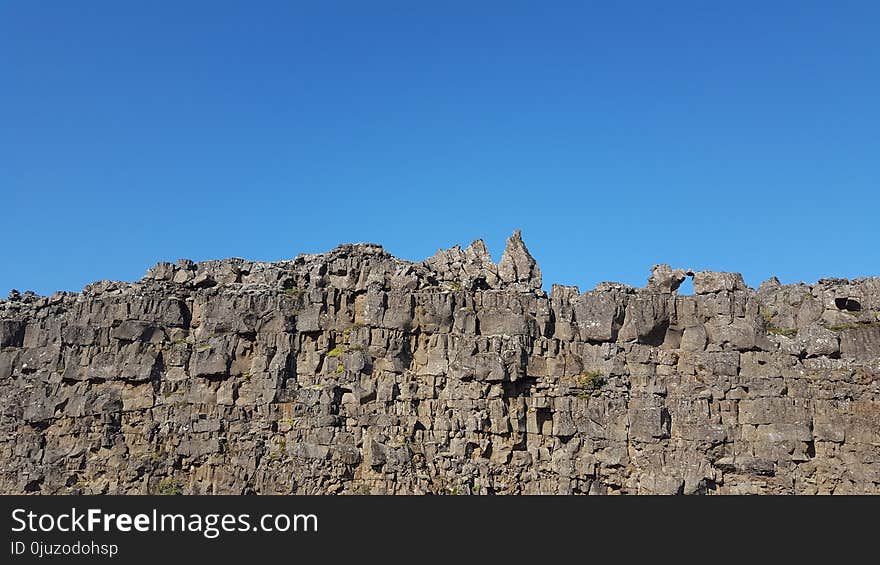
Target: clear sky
[712, 135]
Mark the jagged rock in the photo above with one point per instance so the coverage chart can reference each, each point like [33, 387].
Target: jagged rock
[598, 315]
[517, 267]
[665, 279]
[769, 285]
[707, 282]
[11, 333]
[646, 319]
[471, 268]
[819, 342]
[353, 371]
[693, 338]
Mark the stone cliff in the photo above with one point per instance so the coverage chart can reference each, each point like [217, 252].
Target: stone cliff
[356, 372]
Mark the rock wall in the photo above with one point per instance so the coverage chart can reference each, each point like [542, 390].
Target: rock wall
[354, 372]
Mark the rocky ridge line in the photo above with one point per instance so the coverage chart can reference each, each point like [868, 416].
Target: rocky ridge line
[355, 372]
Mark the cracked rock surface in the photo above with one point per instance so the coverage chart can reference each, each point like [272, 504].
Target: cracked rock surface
[353, 372]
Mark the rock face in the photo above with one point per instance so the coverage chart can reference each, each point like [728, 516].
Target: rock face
[356, 372]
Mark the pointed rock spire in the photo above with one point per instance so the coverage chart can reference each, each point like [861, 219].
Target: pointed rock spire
[770, 284]
[479, 264]
[517, 266]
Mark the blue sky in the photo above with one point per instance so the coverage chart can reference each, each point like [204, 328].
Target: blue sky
[711, 135]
